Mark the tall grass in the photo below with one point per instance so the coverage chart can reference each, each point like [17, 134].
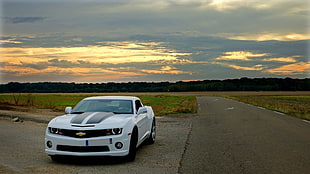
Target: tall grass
[166, 104]
[48, 101]
[161, 104]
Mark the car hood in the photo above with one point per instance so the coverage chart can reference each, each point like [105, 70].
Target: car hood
[90, 119]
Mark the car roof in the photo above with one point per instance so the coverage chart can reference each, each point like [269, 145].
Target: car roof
[112, 98]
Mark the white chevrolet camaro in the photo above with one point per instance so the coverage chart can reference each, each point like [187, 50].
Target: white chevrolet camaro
[101, 126]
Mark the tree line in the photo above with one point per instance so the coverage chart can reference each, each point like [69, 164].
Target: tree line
[242, 84]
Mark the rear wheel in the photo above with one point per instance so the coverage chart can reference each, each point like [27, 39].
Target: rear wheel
[133, 146]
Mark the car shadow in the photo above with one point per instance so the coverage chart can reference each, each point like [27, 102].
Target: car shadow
[81, 161]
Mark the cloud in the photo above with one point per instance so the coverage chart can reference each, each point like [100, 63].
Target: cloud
[111, 60]
[222, 5]
[9, 41]
[250, 19]
[145, 58]
[37, 66]
[257, 67]
[240, 55]
[77, 73]
[281, 59]
[253, 68]
[159, 4]
[111, 52]
[244, 59]
[18, 20]
[166, 70]
[291, 69]
[264, 36]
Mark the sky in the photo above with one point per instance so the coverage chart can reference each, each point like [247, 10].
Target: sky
[95, 41]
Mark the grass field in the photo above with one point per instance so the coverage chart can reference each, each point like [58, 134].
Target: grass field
[161, 104]
[292, 103]
[298, 106]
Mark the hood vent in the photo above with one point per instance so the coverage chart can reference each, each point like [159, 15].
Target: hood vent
[78, 125]
[88, 119]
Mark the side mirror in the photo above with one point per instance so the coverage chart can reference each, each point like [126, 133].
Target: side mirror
[142, 110]
[68, 110]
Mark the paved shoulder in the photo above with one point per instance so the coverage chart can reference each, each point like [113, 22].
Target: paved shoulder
[233, 137]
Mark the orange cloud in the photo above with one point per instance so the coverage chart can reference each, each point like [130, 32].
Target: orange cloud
[81, 73]
[239, 55]
[41, 61]
[253, 68]
[281, 59]
[165, 70]
[292, 69]
[10, 41]
[257, 67]
[113, 53]
[267, 36]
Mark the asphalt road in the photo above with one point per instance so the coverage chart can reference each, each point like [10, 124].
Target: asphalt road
[233, 137]
[224, 137]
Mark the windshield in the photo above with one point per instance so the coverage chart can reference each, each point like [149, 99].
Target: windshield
[115, 106]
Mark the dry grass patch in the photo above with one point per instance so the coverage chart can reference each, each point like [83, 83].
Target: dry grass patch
[298, 106]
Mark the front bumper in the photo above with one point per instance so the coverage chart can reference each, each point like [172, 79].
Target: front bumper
[97, 146]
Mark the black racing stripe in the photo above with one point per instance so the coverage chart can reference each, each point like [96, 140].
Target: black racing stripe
[99, 117]
[80, 118]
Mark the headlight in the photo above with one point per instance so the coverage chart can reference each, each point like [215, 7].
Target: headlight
[114, 131]
[55, 130]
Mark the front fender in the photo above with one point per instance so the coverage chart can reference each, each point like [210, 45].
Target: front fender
[129, 126]
[150, 112]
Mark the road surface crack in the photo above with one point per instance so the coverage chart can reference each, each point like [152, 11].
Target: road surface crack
[185, 146]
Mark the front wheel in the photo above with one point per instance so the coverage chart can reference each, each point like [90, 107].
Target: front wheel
[133, 146]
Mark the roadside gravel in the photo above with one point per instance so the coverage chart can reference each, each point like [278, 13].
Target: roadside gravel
[28, 113]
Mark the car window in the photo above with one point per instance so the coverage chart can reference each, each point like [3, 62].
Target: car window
[138, 104]
[115, 106]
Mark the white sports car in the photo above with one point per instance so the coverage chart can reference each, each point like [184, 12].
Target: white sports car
[101, 126]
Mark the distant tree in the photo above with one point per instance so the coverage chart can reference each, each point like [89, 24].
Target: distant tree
[243, 84]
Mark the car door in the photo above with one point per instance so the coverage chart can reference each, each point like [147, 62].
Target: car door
[141, 121]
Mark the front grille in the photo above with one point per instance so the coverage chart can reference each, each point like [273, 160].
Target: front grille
[83, 148]
[83, 133]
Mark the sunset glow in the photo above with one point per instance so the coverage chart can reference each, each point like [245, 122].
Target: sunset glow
[142, 40]
[113, 54]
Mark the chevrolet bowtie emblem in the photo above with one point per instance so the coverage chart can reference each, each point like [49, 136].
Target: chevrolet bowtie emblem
[80, 134]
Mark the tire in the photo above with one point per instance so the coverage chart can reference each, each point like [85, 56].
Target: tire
[151, 138]
[132, 147]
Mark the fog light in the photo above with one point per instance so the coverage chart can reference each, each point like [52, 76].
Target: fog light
[118, 145]
[49, 144]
